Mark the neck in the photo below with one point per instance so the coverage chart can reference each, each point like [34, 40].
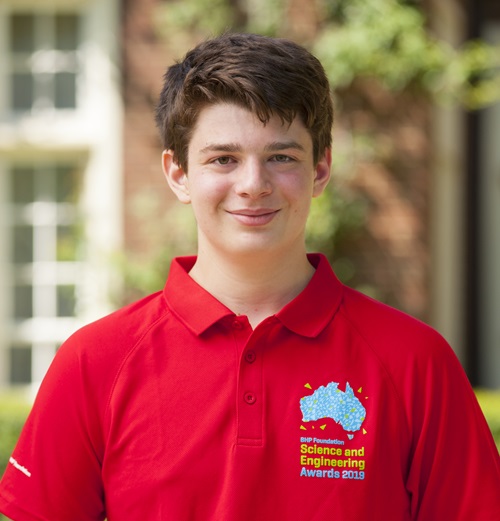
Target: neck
[255, 289]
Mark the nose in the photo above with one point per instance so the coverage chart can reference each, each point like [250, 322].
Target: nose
[253, 180]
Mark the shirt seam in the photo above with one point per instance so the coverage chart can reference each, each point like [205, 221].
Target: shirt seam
[129, 353]
[369, 345]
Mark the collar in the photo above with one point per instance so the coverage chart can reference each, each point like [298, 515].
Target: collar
[310, 312]
[306, 315]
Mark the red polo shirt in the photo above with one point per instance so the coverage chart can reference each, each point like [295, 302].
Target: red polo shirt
[173, 408]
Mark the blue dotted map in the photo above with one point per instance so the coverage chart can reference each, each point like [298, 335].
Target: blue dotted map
[330, 402]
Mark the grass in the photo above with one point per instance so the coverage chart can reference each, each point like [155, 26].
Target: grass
[490, 405]
[13, 412]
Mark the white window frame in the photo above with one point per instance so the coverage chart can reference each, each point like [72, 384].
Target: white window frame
[90, 134]
[44, 330]
[43, 64]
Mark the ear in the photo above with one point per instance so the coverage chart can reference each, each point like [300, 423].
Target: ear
[176, 177]
[322, 172]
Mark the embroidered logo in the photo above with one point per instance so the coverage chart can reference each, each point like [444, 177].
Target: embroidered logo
[326, 457]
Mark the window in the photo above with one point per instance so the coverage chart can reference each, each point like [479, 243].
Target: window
[46, 257]
[43, 61]
[60, 176]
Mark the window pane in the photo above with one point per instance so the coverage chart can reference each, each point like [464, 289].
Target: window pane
[65, 90]
[66, 301]
[22, 244]
[23, 186]
[67, 244]
[23, 302]
[67, 32]
[23, 89]
[22, 34]
[67, 184]
[20, 365]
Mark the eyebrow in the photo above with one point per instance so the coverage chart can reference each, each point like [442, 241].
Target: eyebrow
[275, 146]
[284, 145]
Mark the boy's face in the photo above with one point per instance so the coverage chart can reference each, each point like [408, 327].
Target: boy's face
[250, 184]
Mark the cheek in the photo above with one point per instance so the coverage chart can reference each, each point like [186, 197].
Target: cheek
[206, 193]
[298, 189]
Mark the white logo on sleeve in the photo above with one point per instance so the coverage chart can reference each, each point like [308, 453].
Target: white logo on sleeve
[19, 467]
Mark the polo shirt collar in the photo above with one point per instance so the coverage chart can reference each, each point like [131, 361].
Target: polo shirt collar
[310, 312]
[306, 315]
[192, 304]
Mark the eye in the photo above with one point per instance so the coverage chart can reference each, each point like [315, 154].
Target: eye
[282, 158]
[223, 160]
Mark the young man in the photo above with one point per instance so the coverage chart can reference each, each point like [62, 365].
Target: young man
[255, 386]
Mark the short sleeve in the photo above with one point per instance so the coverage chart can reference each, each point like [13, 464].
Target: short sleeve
[54, 473]
[454, 471]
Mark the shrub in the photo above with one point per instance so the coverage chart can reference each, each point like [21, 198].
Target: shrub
[490, 404]
[13, 413]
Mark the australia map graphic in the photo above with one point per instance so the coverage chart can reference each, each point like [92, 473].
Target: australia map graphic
[331, 402]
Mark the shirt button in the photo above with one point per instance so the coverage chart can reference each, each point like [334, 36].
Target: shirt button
[237, 324]
[250, 398]
[250, 357]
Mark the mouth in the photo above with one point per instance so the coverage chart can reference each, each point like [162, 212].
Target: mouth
[254, 216]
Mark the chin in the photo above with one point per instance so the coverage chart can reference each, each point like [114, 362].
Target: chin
[252, 249]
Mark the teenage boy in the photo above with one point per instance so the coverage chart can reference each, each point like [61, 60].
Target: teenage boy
[255, 386]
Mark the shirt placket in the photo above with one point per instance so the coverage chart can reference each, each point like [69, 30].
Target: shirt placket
[250, 393]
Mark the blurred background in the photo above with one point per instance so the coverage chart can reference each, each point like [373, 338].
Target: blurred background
[87, 223]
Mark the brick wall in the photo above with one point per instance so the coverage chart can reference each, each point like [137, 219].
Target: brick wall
[145, 58]
[391, 250]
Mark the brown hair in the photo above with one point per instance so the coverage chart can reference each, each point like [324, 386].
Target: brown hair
[268, 76]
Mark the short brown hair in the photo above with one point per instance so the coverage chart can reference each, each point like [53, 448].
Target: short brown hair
[268, 76]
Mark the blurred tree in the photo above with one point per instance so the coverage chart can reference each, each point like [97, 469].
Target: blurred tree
[384, 39]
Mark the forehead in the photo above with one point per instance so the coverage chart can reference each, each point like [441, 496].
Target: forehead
[230, 124]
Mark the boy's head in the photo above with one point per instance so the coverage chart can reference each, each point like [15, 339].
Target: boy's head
[268, 76]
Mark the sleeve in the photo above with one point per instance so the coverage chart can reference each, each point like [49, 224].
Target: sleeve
[454, 472]
[54, 473]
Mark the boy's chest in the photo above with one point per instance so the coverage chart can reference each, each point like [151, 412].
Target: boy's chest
[261, 434]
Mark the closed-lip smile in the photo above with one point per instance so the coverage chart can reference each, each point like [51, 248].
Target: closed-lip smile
[253, 211]
[254, 216]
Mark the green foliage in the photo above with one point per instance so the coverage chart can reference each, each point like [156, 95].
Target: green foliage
[337, 211]
[384, 39]
[204, 18]
[389, 40]
[201, 17]
[172, 231]
[265, 16]
[13, 413]
[379, 38]
[490, 405]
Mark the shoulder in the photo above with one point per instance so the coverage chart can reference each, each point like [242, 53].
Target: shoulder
[410, 351]
[92, 357]
[84, 370]
[418, 361]
[386, 328]
[119, 331]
